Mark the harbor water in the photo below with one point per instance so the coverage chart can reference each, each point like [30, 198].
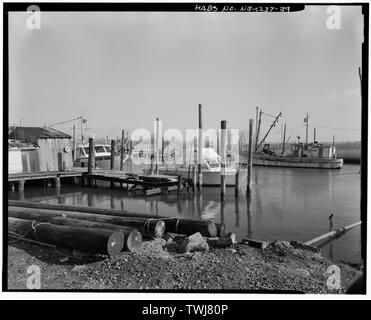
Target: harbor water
[285, 204]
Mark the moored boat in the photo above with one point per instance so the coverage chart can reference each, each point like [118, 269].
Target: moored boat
[301, 155]
[211, 169]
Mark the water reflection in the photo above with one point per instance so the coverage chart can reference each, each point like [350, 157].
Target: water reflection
[248, 211]
[237, 211]
[285, 204]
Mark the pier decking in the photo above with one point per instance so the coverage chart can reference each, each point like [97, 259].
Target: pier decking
[151, 184]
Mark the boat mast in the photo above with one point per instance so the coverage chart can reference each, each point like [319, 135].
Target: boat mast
[284, 138]
[258, 130]
[272, 125]
[306, 134]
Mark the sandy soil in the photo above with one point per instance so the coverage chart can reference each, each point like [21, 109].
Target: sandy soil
[156, 266]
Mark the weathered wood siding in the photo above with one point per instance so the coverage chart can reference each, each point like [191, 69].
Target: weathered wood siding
[52, 155]
[14, 161]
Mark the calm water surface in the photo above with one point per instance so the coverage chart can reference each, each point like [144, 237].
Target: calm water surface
[286, 204]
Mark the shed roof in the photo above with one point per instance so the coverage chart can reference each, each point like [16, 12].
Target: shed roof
[34, 133]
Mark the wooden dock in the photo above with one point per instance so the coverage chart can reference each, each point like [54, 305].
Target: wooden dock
[21, 178]
[150, 184]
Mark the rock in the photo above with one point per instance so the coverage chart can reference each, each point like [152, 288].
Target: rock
[280, 244]
[193, 243]
[168, 237]
[300, 273]
[226, 241]
[65, 259]
[79, 268]
[300, 245]
[80, 254]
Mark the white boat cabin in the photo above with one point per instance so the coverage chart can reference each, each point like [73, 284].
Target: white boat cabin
[101, 151]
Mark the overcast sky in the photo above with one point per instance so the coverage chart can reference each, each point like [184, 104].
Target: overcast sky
[122, 70]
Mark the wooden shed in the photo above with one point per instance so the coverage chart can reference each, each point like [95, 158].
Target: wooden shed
[51, 150]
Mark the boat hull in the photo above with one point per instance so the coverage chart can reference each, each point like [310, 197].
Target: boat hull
[297, 162]
[209, 178]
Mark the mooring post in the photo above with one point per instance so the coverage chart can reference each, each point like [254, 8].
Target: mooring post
[180, 183]
[91, 159]
[200, 145]
[249, 160]
[122, 150]
[194, 182]
[223, 146]
[112, 164]
[157, 146]
[151, 170]
[237, 181]
[57, 182]
[21, 185]
[189, 176]
[74, 143]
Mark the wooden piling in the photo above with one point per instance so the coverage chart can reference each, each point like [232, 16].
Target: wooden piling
[57, 182]
[194, 178]
[122, 150]
[237, 181]
[157, 151]
[180, 184]
[112, 163]
[200, 145]
[284, 139]
[91, 159]
[21, 185]
[174, 225]
[156, 227]
[249, 160]
[74, 143]
[223, 146]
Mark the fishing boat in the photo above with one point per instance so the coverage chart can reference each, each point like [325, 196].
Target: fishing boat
[300, 155]
[211, 169]
[312, 155]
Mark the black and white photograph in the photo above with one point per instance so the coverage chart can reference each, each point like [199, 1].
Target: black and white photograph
[185, 148]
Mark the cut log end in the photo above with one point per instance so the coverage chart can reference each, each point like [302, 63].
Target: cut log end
[115, 243]
[212, 229]
[133, 240]
[159, 229]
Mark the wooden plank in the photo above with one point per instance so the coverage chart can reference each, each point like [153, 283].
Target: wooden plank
[152, 191]
[256, 243]
[25, 166]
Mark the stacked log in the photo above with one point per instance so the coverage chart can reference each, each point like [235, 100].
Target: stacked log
[132, 237]
[92, 240]
[172, 225]
[144, 225]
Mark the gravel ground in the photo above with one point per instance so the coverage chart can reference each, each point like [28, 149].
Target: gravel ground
[156, 266]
